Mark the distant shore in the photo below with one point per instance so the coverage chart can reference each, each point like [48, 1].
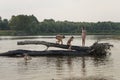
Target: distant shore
[14, 33]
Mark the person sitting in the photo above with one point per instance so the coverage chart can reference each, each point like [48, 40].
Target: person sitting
[59, 39]
[69, 42]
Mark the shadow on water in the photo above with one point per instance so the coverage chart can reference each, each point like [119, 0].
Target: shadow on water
[82, 62]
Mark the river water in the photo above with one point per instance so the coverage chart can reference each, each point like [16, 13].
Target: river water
[59, 68]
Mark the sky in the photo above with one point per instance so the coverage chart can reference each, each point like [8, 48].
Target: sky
[61, 10]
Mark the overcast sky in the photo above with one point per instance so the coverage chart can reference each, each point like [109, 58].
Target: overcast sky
[71, 10]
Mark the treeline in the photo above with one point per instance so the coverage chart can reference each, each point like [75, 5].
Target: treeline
[29, 25]
[4, 24]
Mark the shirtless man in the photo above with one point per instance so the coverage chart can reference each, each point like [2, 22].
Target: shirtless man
[59, 39]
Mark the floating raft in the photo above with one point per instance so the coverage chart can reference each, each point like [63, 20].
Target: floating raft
[97, 49]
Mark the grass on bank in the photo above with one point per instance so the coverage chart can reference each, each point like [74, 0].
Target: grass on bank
[15, 33]
[6, 32]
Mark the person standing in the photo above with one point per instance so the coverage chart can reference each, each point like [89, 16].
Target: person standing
[83, 36]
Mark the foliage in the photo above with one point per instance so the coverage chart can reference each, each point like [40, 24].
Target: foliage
[24, 23]
[4, 24]
[29, 25]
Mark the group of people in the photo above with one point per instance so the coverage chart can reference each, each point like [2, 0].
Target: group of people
[59, 41]
[61, 37]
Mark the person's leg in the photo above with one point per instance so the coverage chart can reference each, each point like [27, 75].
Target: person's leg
[61, 42]
[83, 42]
[57, 42]
[69, 47]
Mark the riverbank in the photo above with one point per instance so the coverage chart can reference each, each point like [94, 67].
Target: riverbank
[7, 32]
[15, 33]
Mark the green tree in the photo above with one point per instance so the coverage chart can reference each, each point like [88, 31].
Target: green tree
[24, 23]
[4, 24]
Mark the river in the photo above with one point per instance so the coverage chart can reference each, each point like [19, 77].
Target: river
[59, 68]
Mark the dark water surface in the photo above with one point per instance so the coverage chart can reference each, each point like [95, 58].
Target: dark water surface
[59, 68]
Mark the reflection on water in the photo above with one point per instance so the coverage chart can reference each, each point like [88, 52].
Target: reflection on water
[59, 68]
[90, 78]
[48, 68]
[65, 68]
[83, 66]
